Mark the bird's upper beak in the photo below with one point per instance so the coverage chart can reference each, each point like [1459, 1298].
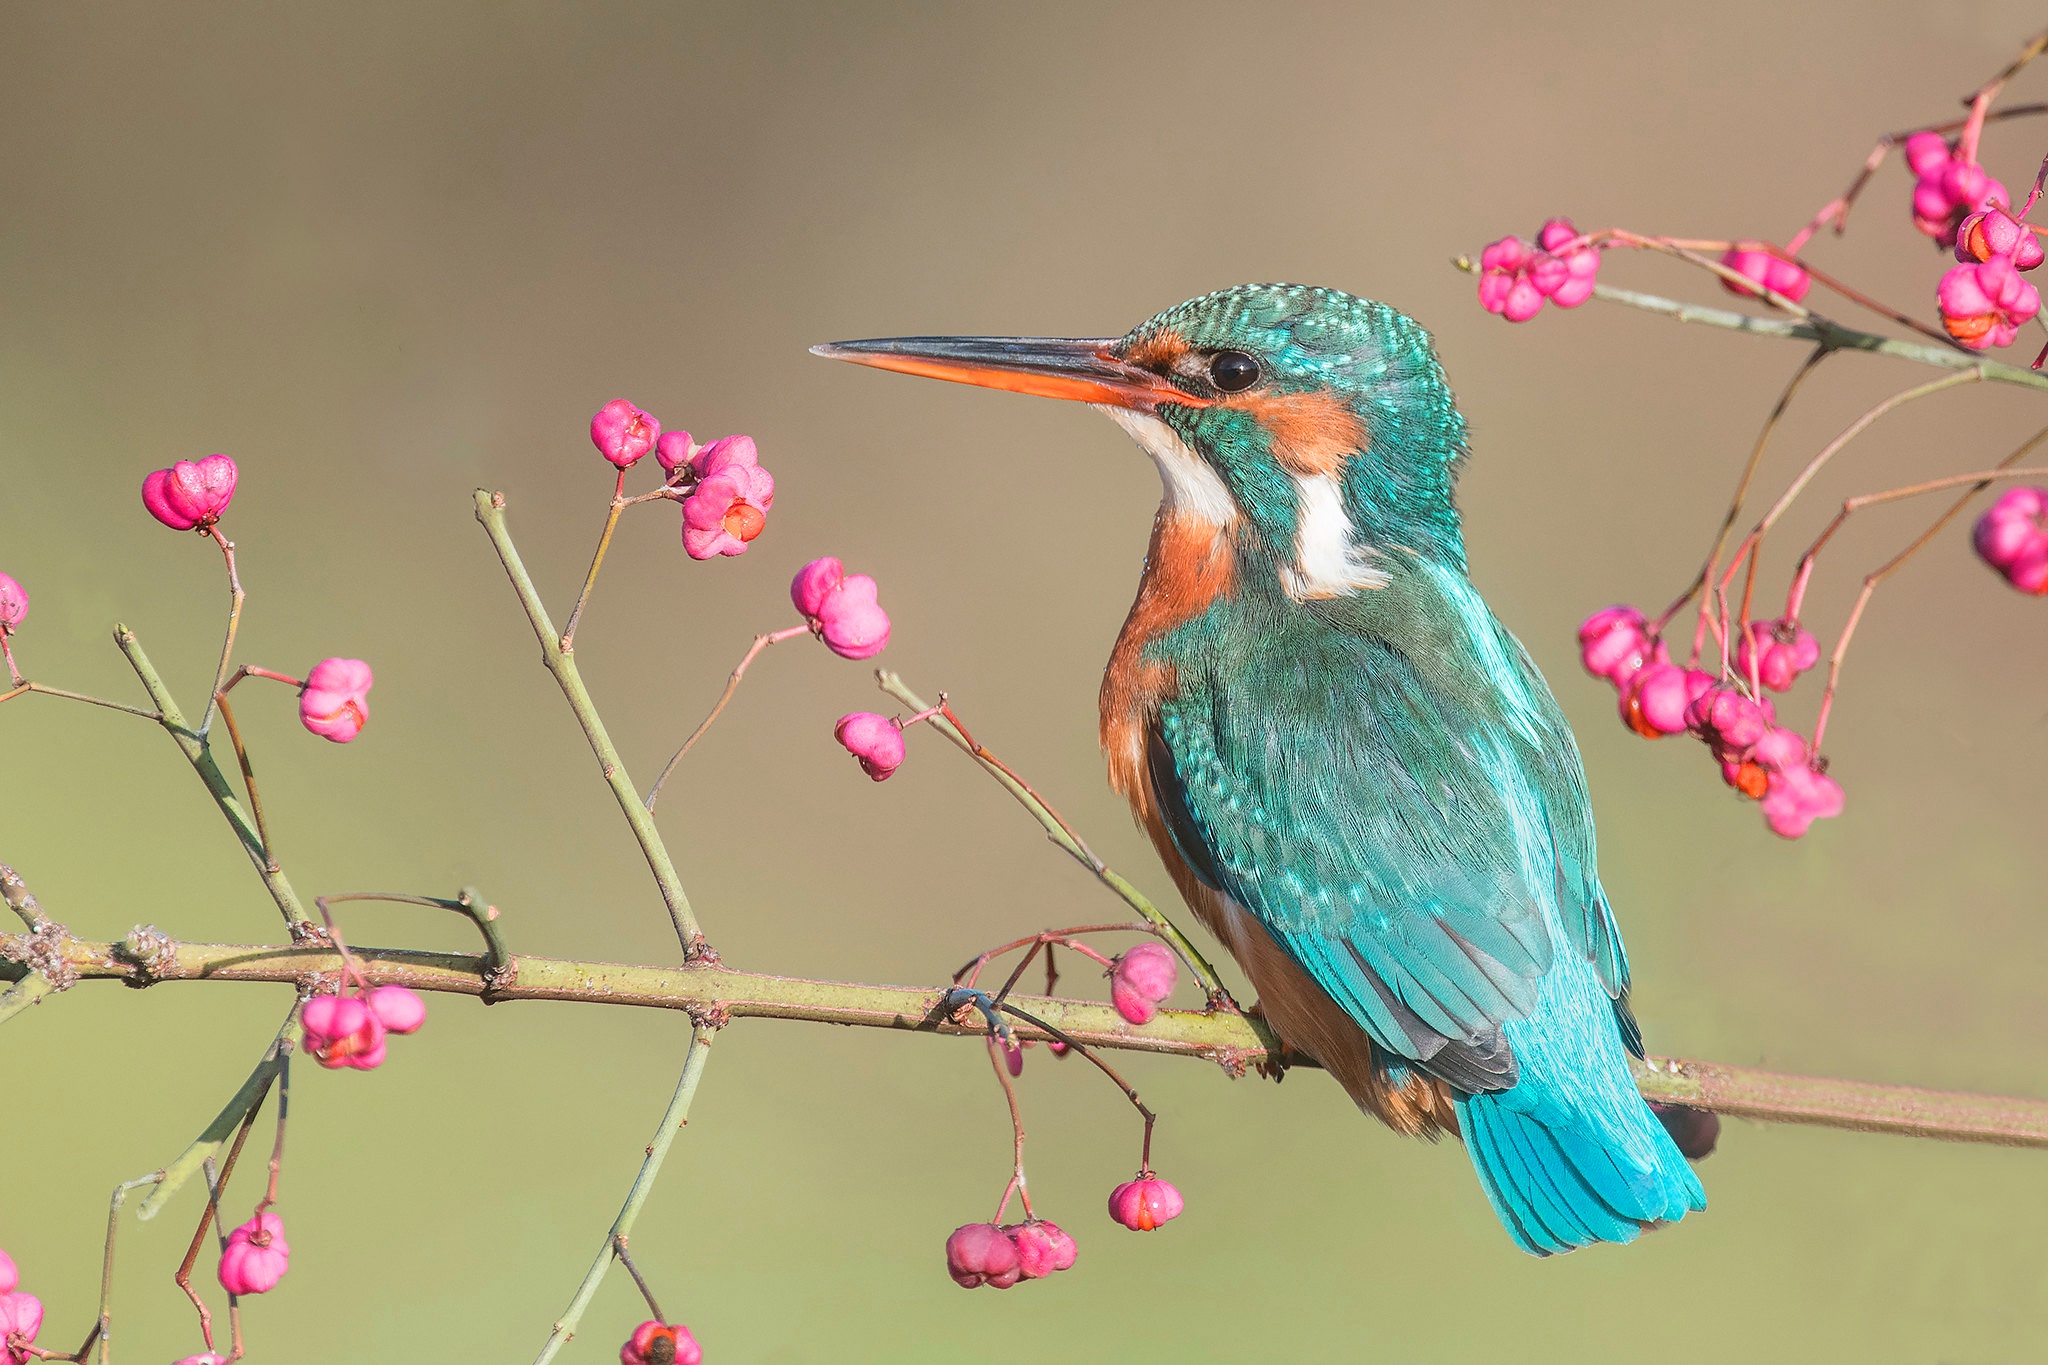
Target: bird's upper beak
[1053, 367]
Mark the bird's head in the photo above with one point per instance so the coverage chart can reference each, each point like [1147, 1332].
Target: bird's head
[1314, 426]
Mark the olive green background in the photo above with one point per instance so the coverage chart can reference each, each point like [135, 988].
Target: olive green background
[383, 254]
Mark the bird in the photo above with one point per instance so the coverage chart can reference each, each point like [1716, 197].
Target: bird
[1355, 775]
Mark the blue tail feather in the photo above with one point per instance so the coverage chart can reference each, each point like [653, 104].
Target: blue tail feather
[1571, 1155]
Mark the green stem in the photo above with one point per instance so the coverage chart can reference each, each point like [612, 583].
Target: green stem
[200, 755]
[1831, 335]
[643, 1185]
[1062, 834]
[245, 1102]
[105, 1330]
[30, 990]
[20, 899]
[490, 510]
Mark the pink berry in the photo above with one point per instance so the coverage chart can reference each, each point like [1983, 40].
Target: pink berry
[982, 1254]
[1614, 643]
[10, 1278]
[1779, 749]
[13, 603]
[661, 1343]
[1777, 275]
[675, 449]
[203, 1358]
[1726, 719]
[256, 1257]
[1140, 979]
[730, 504]
[335, 702]
[623, 433]
[1993, 232]
[2013, 538]
[1782, 652]
[1145, 1203]
[1985, 303]
[21, 1317]
[874, 740]
[1927, 153]
[1042, 1249]
[842, 608]
[190, 494]
[397, 1009]
[342, 1032]
[1797, 797]
[1654, 702]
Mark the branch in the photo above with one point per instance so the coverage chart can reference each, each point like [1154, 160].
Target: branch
[490, 510]
[200, 755]
[1827, 333]
[712, 994]
[1830, 335]
[614, 1247]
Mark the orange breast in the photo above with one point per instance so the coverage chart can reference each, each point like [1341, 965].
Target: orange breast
[1190, 565]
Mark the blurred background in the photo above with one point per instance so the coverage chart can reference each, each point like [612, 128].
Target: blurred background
[383, 254]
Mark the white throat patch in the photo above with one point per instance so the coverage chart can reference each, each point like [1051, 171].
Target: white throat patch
[1327, 561]
[1192, 487]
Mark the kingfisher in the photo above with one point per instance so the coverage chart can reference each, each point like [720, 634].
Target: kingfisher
[1354, 773]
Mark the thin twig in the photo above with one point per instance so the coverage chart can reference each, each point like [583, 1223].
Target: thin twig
[470, 905]
[672, 1122]
[626, 1260]
[1063, 834]
[1016, 1185]
[604, 542]
[732, 685]
[1892, 566]
[1756, 455]
[236, 597]
[248, 780]
[1732, 629]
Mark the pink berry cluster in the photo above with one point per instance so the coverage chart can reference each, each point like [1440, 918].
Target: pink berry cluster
[1983, 300]
[1948, 188]
[979, 1254]
[725, 493]
[661, 1343]
[2013, 538]
[21, 1316]
[349, 1030]
[1759, 758]
[1141, 979]
[1516, 277]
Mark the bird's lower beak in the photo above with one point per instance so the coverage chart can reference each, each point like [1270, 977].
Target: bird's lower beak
[1052, 367]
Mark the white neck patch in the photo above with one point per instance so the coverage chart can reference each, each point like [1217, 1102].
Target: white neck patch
[1192, 487]
[1327, 561]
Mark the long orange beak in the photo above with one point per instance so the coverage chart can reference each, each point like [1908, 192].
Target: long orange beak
[1052, 367]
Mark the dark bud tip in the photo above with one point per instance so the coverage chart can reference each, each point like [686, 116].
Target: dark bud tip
[1694, 1131]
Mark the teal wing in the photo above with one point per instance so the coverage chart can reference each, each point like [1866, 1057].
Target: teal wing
[1397, 821]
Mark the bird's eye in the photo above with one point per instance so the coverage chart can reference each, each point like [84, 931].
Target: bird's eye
[1231, 371]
